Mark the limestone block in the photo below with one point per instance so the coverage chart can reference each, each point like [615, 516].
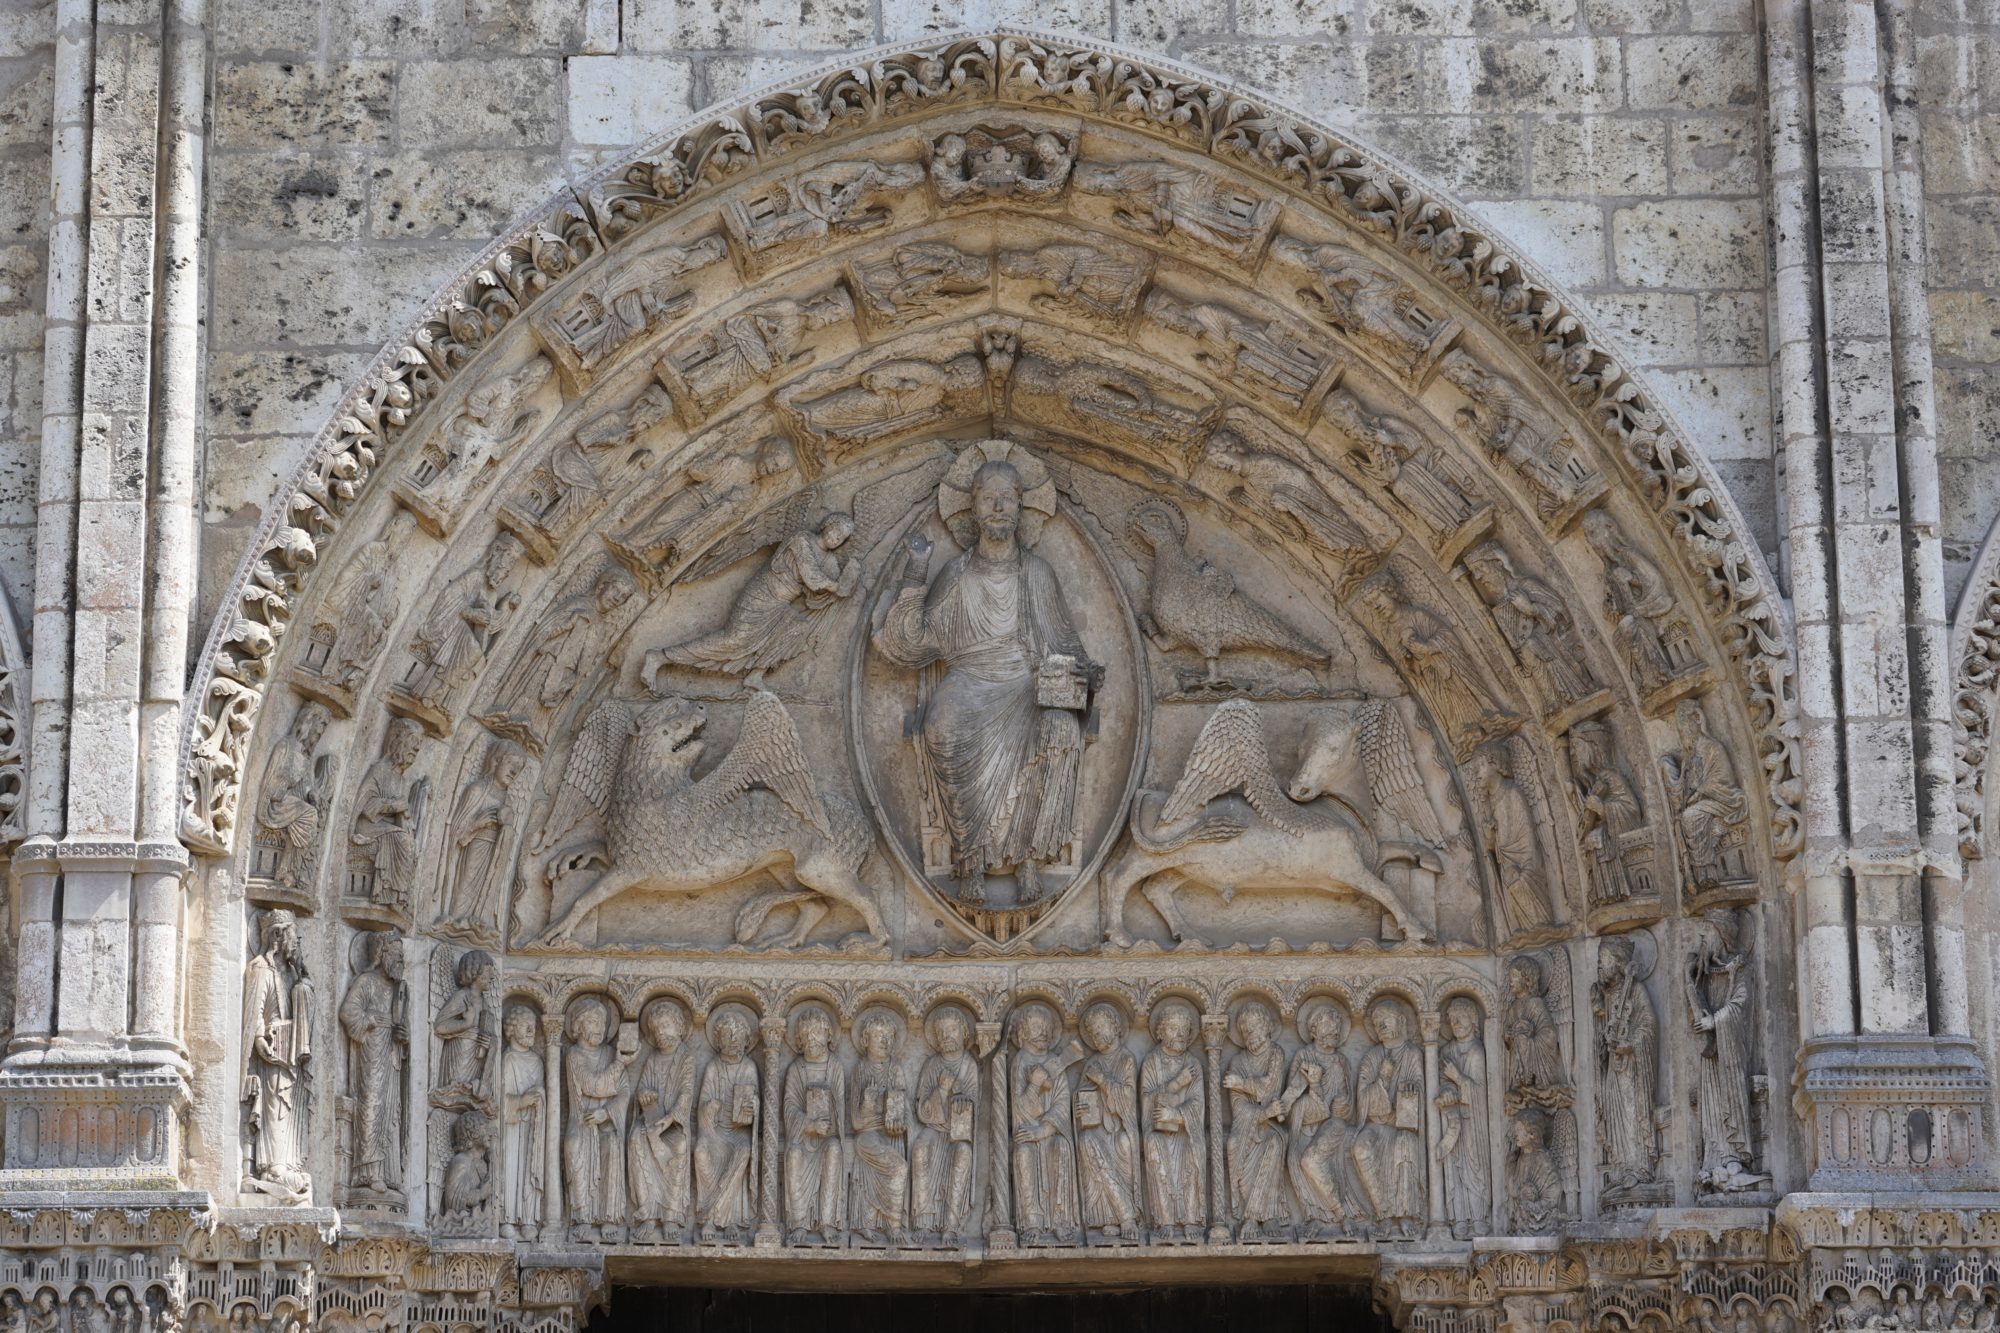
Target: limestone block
[1291, 18]
[1303, 74]
[626, 99]
[285, 196]
[1472, 155]
[1965, 325]
[1160, 23]
[662, 26]
[1628, 16]
[920, 19]
[469, 194]
[1962, 248]
[1689, 243]
[320, 294]
[1657, 328]
[1468, 17]
[729, 77]
[271, 103]
[562, 27]
[1549, 75]
[242, 469]
[26, 94]
[1599, 156]
[263, 390]
[395, 27]
[21, 281]
[1718, 154]
[1726, 408]
[266, 27]
[26, 31]
[1732, 328]
[1683, 73]
[1961, 153]
[1561, 237]
[442, 103]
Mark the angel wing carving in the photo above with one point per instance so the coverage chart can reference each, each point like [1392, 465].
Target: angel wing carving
[767, 753]
[1230, 755]
[1393, 777]
[769, 528]
[584, 795]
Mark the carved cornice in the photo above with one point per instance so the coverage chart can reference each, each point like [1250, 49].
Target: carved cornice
[1318, 168]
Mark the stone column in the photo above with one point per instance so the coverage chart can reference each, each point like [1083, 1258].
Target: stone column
[553, 1231]
[770, 1227]
[1432, 1025]
[1215, 1031]
[999, 1139]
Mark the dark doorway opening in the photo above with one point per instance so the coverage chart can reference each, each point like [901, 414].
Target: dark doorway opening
[1237, 1309]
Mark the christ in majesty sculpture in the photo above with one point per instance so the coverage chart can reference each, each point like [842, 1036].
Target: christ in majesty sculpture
[1001, 730]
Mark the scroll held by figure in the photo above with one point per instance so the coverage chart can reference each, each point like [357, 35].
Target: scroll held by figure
[1007, 688]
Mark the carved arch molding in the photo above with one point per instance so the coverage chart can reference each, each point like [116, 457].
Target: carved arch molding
[1006, 651]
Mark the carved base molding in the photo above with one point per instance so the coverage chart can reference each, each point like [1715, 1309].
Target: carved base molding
[1897, 1113]
[78, 1124]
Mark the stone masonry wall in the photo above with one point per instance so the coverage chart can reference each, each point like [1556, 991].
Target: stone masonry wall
[27, 38]
[364, 150]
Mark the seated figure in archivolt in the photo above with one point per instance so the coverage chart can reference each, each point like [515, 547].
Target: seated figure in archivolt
[1007, 682]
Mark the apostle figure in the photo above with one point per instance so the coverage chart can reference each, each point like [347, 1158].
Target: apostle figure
[1007, 680]
[593, 1139]
[1107, 1131]
[1319, 1096]
[1388, 1145]
[1463, 1128]
[524, 1112]
[1628, 1034]
[1256, 1087]
[1174, 1113]
[1534, 1181]
[1044, 1158]
[942, 1139]
[726, 1120]
[388, 808]
[475, 874]
[465, 1030]
[375, 1016]
[815, 1103]
[660, 1140]
[1534, 1044]
[277, 1044]
[881, 1115]
[1719, 1002]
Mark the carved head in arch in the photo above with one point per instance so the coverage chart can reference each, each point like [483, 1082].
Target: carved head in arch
[1328, 753]
[1388, 1021]
[1035, 1027]
[1174, 1025]
[471, 1131]
[501, 557]
[1614, 961]
[812, 1031]
[1160, 524]
[835, 529]
[311, 723]
[1254, 1025]
[664, 1022]
[1324, 1023]
[519, 1025]
[668, 733]
[505, 762]
[1600, 532]
[1528, 1132]
[614, 588]
[950, 150]
[1524, 977]
[591, 1023]
[1690, 723]
[1463, 1019]
[383, 952]
[948, 1029]
[879, 1033]
[281, 934]
[475, 969]
[1103, 1027]
[732, 1030]
[996, 503]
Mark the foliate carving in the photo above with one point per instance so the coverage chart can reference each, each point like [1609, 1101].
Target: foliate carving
[1712, 810]
[1386, 449]
[1465, 1135]
[987, 164]
[1538, 626]
[588, 331]
[278, 1015]
[793, 218]
[291, 805]
[1659, 643]
[383, 844]
[1191, 604]
[728, 1113]
[1721, 1001]
[448, 648]
[1009, 687]
[593, 1129]
[1426, 647]
[1381, 312]
[630, 815]
[1174, 1116]
[1628, 1043]
[660, 1142]
[492, 422]
[754, 346]
[1541, 1129]
[1043, 1150]
[1389, 1140]
[1228, 824]
[1552, 465]
[1184, 206]
[374, 1015]
[480, 838]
